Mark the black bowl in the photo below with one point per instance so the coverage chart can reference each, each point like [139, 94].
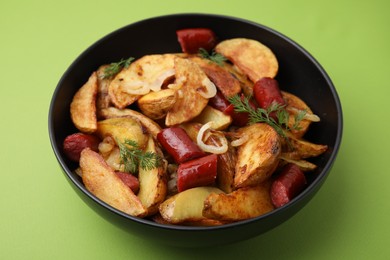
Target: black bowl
[299, 74]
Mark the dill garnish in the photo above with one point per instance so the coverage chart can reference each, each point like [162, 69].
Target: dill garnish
[115, 67]
[275, 115]
[132, 157]
[214, 56]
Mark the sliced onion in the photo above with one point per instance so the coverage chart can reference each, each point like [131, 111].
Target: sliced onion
[308, 116]
[243, 139]
[156, 85]
[180, 93]
[135, 88]
[211, 89]
[174, 86]
[211, 148]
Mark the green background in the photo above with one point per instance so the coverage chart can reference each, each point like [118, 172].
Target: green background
[41, 216]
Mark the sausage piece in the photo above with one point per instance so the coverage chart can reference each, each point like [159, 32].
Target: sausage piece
[192, 39]
[177, 143]
[130, 180]
[287, 185]
[266, 90]
[222, 104]
[75, 143]
[195, 173]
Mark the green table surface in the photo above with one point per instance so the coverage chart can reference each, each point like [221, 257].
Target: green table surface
[41, 216]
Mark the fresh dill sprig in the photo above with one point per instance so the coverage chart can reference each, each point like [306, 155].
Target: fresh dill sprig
[115, 67]
[214, 56]
[133, 157]
[260, 115]
[298, 118]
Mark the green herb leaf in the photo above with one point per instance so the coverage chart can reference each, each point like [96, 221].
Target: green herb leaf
[132, 157]
[214, 56]
[260, 115]
[298, 118]
[115, 67]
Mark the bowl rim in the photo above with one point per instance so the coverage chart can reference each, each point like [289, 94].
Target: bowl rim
[314, 185]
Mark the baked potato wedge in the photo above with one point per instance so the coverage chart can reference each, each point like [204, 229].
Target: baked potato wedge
[222, 78]
[304, 165]
[186, 206]
[143, 75]
[122, 129]
[102, 182]
[121, 99]
[152, 127]
[205, 222]
[257, 158]
[226, 169]
[153, 182]
[190, 102]
[241, 204]
[298, 149]
[83, 106]
[156, 105]
[252, 57]
[220, 120]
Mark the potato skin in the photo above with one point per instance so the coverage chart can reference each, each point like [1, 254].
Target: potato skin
[83, 106]
[156, 105]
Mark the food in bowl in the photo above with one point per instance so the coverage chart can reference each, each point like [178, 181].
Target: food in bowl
[204, 137]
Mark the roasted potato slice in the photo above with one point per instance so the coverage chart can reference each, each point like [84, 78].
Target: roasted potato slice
[120, 98]
[145, 74]
[220, 120]
[153, 182]
[257, 158]
[152, 127]
[83, 106]
[302, 164]
[157, 104]
[226, 169]
[190, 102]
[222, 78]
[102, 182]
[205, 222]
[252, 57]
[186, 206]
[241, 204]
[121, 129]
[297, 149]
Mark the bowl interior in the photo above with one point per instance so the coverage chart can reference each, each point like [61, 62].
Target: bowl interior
[299, 73]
